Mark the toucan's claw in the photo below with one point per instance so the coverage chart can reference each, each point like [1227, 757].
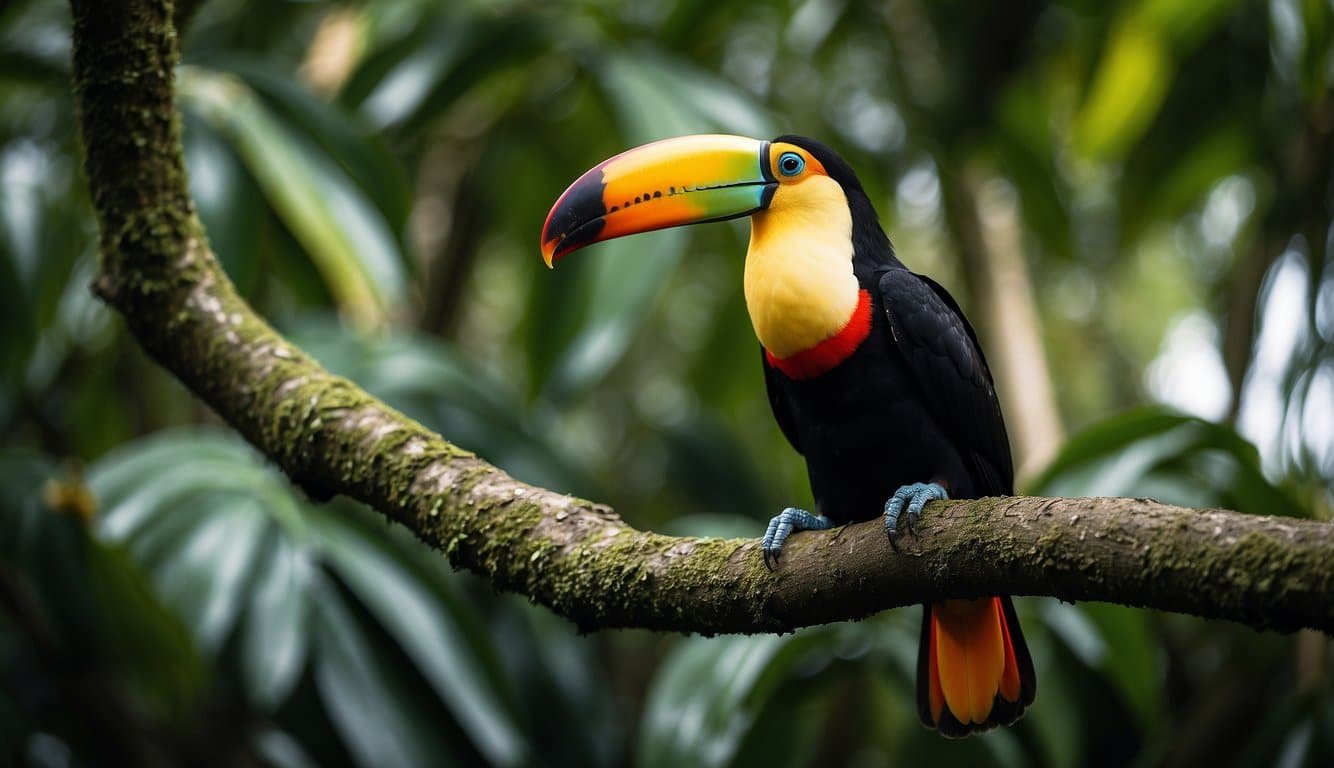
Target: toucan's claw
[784, 524]
[910, 498]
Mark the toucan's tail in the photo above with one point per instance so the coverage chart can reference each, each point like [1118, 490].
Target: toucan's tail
[973, 667]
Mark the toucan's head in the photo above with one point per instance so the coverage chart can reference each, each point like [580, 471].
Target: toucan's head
[693, 179]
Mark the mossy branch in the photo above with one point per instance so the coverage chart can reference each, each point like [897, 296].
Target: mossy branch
[577, 557]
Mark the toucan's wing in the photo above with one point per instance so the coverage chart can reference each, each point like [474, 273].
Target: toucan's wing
[941, 351]
[779, 403]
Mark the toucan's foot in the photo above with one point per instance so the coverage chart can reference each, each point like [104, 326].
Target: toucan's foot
[910, 499]
[783, 525]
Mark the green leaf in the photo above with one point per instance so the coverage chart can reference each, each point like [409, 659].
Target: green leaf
[34, 45]
[345, 236]
[207, 575]
[426, 623]
[1131, 659]
[276, 634]
[695, 713]
[410, 80]
[561, 684]
[362, 156]
[140, 482]
[280, 750]
[1116, 112]
[42, 235]
[1156, 452]
[1137, 68]
[230, 205]
[17, 316]
[708, 691]
[1054, 716]
[1116, 641]
[224, 543]
[365, 697]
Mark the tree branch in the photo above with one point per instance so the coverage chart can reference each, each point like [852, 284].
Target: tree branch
[574, 556]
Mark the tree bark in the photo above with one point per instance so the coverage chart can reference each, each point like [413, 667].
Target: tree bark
[574, 556]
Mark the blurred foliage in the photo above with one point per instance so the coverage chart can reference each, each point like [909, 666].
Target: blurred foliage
[373, 177]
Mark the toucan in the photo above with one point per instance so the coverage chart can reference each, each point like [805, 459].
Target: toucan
[873, 373]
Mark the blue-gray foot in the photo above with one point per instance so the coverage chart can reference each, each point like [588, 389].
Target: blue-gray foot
[783, 525]
[909, 499]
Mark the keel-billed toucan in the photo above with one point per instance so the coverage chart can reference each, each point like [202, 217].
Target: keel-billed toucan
[873, 373]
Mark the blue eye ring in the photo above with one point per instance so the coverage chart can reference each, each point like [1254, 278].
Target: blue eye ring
[791, 164]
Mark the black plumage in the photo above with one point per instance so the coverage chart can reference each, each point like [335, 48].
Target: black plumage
[914, 403]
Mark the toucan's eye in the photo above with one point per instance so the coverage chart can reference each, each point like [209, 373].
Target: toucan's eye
[790, 164]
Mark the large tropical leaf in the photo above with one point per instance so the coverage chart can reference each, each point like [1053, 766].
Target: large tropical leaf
[736, 700]
[365, 159]
[708, 693]
[344, 234]
[237, 556]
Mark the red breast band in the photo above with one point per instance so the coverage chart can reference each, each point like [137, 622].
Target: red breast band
[812, 362]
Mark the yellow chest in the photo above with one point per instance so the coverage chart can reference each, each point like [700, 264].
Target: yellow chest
[799, 285]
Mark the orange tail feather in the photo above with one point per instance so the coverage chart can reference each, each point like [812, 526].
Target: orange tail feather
[973, 667]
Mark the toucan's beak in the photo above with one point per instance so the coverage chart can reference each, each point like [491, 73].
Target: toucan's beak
[664, 184]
